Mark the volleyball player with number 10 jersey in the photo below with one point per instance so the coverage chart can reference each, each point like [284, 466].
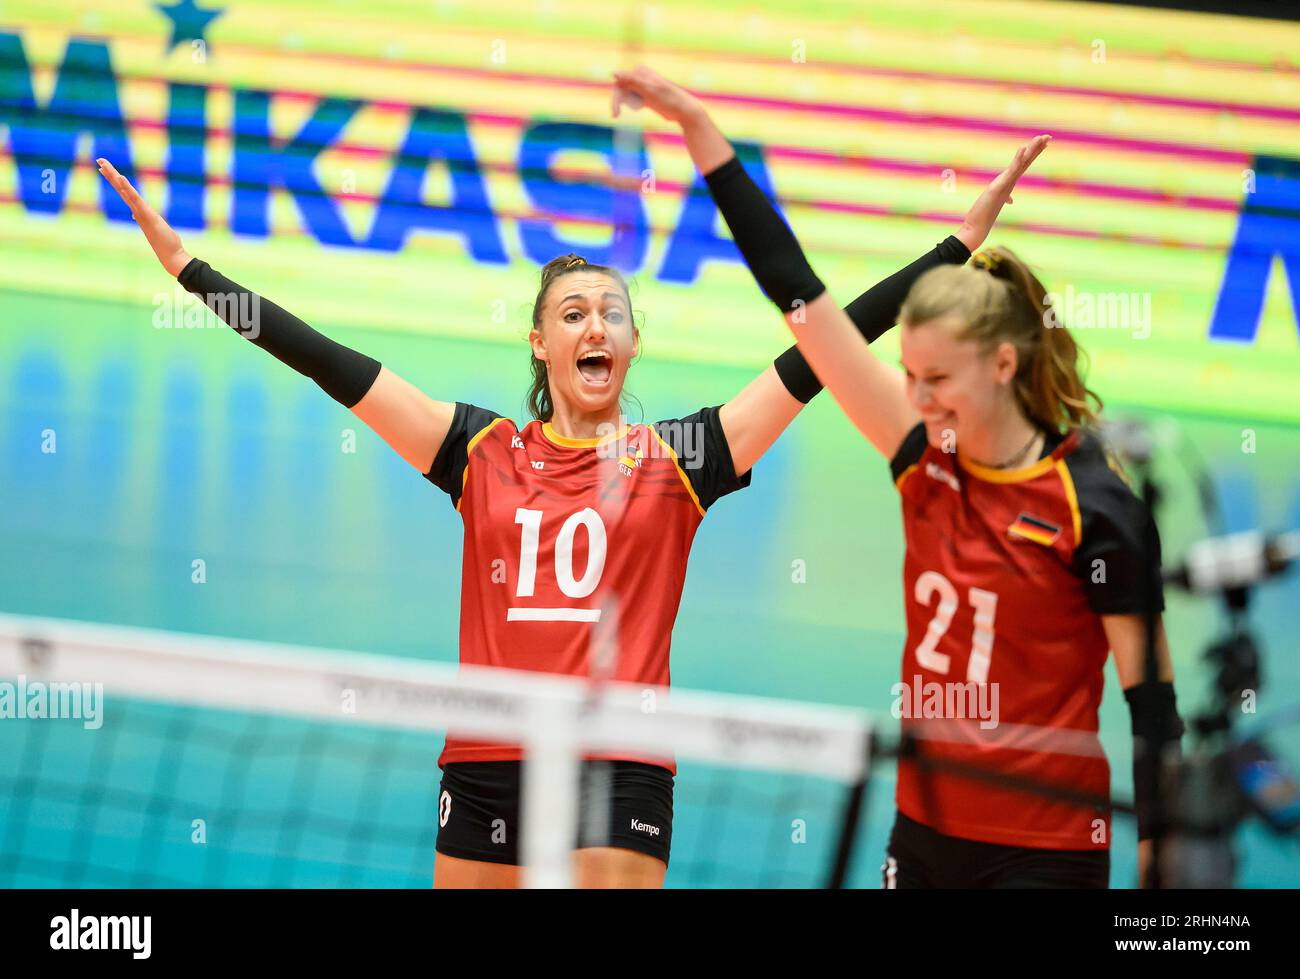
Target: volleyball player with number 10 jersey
[573, 522]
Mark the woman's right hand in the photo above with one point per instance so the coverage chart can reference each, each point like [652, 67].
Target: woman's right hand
[643, 86]
[164, 241]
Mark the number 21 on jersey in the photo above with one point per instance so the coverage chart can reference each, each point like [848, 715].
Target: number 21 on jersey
[985, 604]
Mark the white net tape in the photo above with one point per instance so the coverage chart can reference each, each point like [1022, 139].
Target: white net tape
[556, 718]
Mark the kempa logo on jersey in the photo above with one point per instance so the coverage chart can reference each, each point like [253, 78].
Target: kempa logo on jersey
[935, 471]
[646, 828]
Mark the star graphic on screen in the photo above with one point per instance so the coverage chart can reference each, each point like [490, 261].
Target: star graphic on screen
[188, 21]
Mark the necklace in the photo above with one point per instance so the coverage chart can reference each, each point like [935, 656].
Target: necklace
[1018, 456]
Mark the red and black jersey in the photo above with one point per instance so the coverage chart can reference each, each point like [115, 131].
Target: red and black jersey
[570, 539]
[1006, 576]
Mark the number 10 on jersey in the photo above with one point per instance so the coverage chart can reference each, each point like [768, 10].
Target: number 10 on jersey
[570, 585]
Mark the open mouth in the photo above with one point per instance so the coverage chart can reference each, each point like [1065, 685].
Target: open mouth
[595, 366]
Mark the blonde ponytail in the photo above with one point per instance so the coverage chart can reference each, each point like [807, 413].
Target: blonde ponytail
[997, 298]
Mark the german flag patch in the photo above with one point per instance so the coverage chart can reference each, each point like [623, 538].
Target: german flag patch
[1035, 529]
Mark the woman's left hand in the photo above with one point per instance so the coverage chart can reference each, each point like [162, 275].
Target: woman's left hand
[985, 210]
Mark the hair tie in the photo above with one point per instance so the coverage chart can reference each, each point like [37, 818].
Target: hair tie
[574, 262]
[989, 261]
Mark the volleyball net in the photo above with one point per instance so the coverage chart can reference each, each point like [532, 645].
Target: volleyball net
[137, 758]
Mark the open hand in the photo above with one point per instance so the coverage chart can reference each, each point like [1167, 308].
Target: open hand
[984, 212]
[643, 86]
[1005, 181]
[164, 241]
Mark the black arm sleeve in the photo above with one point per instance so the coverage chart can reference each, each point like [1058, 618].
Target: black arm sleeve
[448, 469]
[765, 241]
[703, 454]
[1155, 717]
[874, 313]
[341, 372]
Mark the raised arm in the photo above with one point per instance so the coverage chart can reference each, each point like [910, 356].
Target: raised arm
[871, 392]
[875, 312]
[754, 418]
[757, 416]
[411, 422]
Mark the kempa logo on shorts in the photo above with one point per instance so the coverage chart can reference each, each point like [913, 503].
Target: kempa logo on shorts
[444, 808]
[103, 932]
[641, 827]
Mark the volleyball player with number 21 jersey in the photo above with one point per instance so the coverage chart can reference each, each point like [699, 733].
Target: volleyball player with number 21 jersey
[1028, 557]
